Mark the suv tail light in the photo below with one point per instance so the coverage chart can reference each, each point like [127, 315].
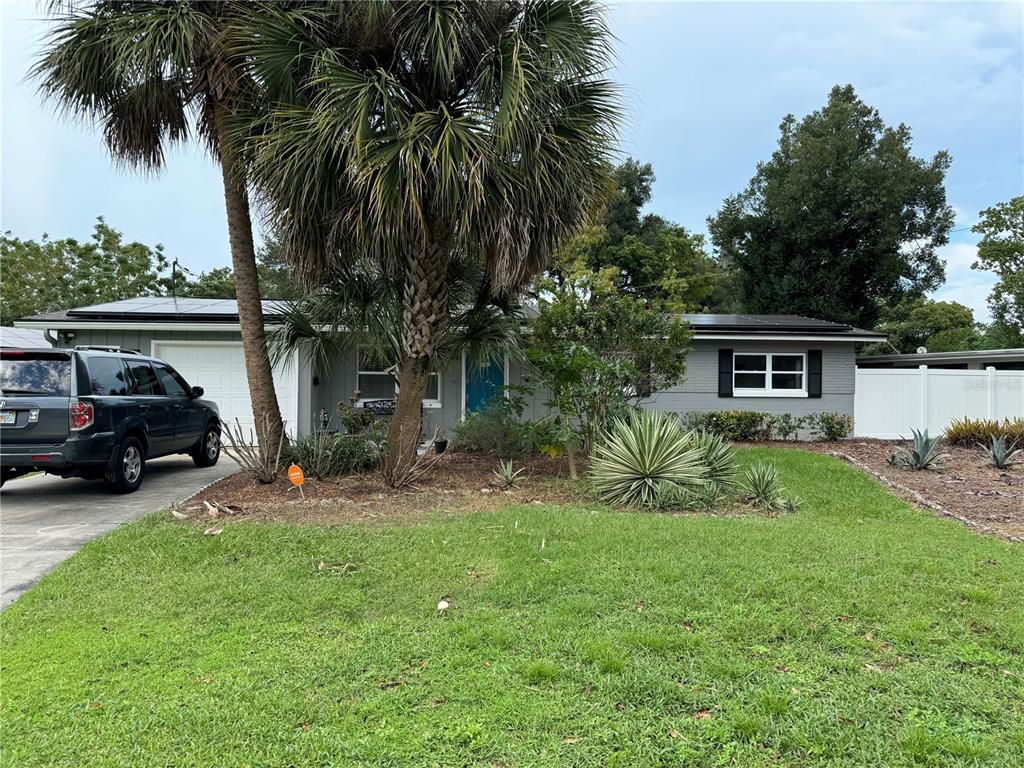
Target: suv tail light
[80, 415]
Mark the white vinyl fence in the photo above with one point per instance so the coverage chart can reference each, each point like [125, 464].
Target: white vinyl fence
[889, 402]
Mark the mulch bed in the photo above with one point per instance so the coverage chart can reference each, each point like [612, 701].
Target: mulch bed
[986, 499]
[454, 480]
[982, 497]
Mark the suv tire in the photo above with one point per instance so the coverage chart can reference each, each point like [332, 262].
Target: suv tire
[129, 467]
[208, 451]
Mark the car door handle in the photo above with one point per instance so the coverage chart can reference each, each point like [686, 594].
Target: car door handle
[145, 408]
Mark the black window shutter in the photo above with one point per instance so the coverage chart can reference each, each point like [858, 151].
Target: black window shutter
[814, 373]
[725, 373]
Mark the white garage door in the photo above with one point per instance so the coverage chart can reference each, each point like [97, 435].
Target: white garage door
[219, 368]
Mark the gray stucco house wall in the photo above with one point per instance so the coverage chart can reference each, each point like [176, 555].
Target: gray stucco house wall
[139, 324]
[699, 389]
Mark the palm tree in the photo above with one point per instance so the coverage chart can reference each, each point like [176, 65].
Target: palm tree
[419, 133]
[150, 74]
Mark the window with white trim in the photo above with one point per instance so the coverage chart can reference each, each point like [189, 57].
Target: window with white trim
[772, 374]
[376, 380]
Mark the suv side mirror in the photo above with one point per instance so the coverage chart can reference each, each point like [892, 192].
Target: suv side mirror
[197, 391]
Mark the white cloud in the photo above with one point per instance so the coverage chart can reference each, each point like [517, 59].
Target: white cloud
[967, 286]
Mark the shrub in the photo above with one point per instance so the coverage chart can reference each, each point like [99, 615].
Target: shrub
[497, 429]
[923, 453]
[355, 421]
[638, 454]
[758, 425]
[717, 455]
[732, 425]
[970, 432]
[1000, 454]
[830, 425]
[786, 426]
[327, 454]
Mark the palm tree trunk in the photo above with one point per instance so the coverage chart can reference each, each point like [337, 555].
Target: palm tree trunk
[259, 374]
[424, 315]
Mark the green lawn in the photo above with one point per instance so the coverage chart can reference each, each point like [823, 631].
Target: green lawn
[857, 631]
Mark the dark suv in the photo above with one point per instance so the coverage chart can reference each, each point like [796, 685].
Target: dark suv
[99, 412]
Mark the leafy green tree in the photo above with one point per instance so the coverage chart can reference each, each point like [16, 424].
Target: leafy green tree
[218, 283]
[941, 326]
[151, 74]
[47, 275]
[598, 349]
[274, 275]
[655, 259]
[1001, 250]
[841, 219]
[420, 134]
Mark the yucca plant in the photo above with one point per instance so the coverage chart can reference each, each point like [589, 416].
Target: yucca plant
[639, 453]
[1001, 454]
[506, 476]
[922, 454]
[718, 455]
[762, 486]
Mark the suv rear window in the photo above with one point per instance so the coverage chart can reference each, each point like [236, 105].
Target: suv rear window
[107, 376]
[35, 373]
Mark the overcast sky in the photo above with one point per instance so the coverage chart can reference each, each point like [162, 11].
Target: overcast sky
[706, 86]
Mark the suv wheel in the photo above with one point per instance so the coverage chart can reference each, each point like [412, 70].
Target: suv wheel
[208, 450]
[129, 467]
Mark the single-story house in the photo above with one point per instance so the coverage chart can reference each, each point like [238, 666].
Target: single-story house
[972, 360]
[774, 363]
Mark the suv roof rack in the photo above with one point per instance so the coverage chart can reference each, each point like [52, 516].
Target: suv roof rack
[106, 348]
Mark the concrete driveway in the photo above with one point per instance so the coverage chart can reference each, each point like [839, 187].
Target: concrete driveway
[44, 519]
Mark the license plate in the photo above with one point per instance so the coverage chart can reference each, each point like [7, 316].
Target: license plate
[8, 417]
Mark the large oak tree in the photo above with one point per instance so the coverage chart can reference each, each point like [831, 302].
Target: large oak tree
[841, 218]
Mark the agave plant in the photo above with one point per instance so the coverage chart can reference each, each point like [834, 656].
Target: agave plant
[505, 476]
[641, 452]
[1000, 454]
[923, 453]
[718, 455]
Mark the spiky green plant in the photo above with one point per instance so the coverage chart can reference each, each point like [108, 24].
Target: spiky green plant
[638, 454]
[762, 486]
[922, 453]
[506, 476]
[705, 496]
[718, 455]
[1000, 454]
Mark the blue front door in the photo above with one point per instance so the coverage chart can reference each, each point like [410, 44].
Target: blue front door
[484, 380]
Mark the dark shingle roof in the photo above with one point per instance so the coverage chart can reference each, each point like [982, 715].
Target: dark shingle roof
[184, 310]
[772, 324]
